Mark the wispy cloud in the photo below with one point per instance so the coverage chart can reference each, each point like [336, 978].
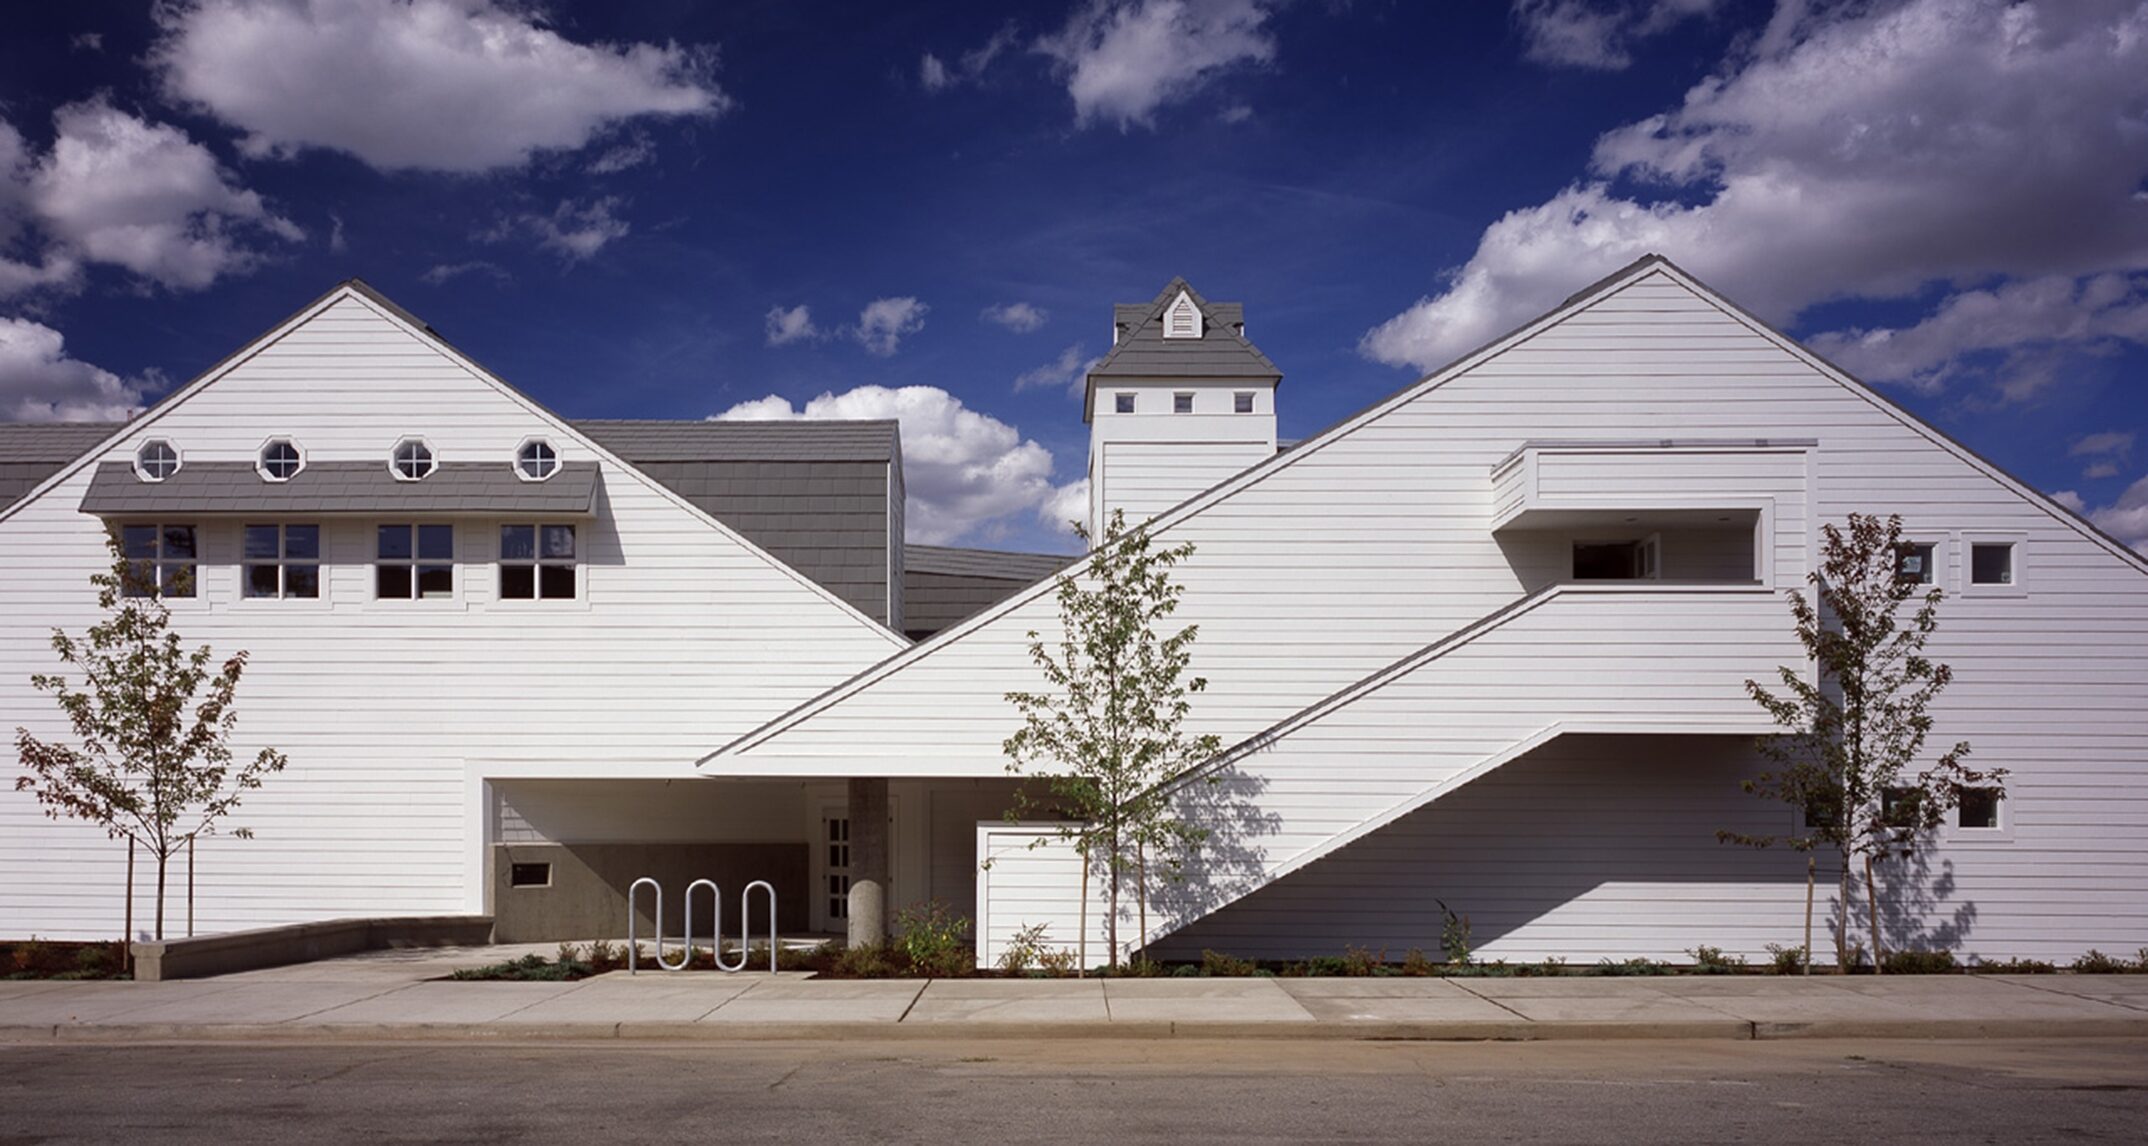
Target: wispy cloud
[1069, 372]
[885, 322]
[1122, 60]
[1019, 317]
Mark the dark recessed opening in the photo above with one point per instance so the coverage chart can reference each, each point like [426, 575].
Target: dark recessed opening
[529, 875]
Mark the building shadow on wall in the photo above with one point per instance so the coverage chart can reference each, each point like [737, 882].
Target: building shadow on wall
[1599, 846]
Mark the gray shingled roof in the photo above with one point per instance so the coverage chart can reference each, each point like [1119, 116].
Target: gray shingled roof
[698, 441]
[943, 586]
[1142, 351]
[341, 487]
[31, 453]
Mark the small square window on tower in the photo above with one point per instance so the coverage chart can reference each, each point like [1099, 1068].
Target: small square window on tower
[1124, 404]
[1182, 402]
[1242, 402]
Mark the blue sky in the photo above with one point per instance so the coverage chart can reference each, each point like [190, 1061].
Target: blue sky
[621, 207]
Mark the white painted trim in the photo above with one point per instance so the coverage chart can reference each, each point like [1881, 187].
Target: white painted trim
[1969, 539]
[261, 458]
[432, 458]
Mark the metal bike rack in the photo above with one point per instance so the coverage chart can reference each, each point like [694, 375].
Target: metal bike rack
[686, 953]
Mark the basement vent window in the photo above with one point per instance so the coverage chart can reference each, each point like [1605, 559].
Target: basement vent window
[1182, 403]
[529, 875]
[1242, 402]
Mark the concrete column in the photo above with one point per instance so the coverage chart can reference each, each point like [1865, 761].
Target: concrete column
[868, 861]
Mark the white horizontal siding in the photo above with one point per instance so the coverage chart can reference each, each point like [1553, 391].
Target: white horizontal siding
[682, 637]
[1357, 548]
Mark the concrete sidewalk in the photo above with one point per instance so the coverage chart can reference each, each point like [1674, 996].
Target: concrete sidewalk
[395, 995]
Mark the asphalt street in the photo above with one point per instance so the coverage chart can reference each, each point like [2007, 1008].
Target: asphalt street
[2085, 1090]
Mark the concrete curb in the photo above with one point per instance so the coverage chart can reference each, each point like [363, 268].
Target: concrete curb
[1737, 1030]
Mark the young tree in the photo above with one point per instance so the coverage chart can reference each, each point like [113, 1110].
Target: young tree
[1850, 737]
[152, 721]
[1106, 732]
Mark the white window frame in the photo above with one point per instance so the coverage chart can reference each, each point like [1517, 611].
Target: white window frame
[1182, 319]
[1969, 539]
[538, 562]
[432, 467]
[1942, 559]
[1955, 833]
[159, 562]
[282, 561]
[558, 463]
[453, 562]
[178, 459]
[261, 458]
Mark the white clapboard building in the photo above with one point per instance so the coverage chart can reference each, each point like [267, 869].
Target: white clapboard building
[1482, 645]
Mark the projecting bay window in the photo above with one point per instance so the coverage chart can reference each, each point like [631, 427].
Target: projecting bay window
[160, 560]
[283, 562]
[414, 562]
[536, 562]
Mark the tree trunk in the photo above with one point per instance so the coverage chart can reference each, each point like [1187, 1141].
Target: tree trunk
[1081, 926]
[163, 863]
[126, 940]
[1842, 920]
[1812, 875]
[1141, 896]
[1111, 903]
[1872, 901]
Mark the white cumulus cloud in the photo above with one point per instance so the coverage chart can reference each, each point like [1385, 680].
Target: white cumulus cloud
[967, 474]
[1859, 151]
[885, 322]
[786, 325]
[1069, 372]
[1121, 60]
[119, 190]
[40, 383]
[1019, 317]
[441, 85]
[2125, 519]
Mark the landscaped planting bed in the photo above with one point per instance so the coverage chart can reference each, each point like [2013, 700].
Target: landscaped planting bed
[45, 959]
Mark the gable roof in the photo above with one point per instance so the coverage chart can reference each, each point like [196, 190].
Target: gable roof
[1142, 351]
[657, 440]
[1259, 471]
[365, 295]
[30, 453]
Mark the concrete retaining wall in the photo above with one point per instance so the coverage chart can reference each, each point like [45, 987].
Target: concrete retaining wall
[301, 943]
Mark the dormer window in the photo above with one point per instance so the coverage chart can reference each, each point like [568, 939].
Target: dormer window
[1183, 319]
[536, 460]
[411, 460]
[280, 460]
[156, 460]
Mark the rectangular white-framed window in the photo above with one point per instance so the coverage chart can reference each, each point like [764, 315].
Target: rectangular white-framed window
[280, 562]
[537, 562]
[1242, 402]
[1182, 402]
[1982, 815]
[1994, 564]
[162, 560]
[1918, 562]
[1123, 402]
[414, 562]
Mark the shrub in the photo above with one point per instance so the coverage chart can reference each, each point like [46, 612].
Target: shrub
[869, 962]
[2013, 967]
[1551, 967]
[1416, 962]
[1024, 950]
[1223, 966]
[1920, 963]
[1786, 960]
[1363, 961]
[1634, 966]
[1453, 935]
[932, 939]
[1327, 966]
[1186, 971]
[2097, 963]
[1060, 962]
[1711, 961]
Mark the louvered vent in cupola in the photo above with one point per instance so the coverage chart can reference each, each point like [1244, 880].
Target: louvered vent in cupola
[1183, 319]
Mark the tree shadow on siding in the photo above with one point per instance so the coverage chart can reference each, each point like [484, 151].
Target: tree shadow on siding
[1228, 863]
[1914, 911]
